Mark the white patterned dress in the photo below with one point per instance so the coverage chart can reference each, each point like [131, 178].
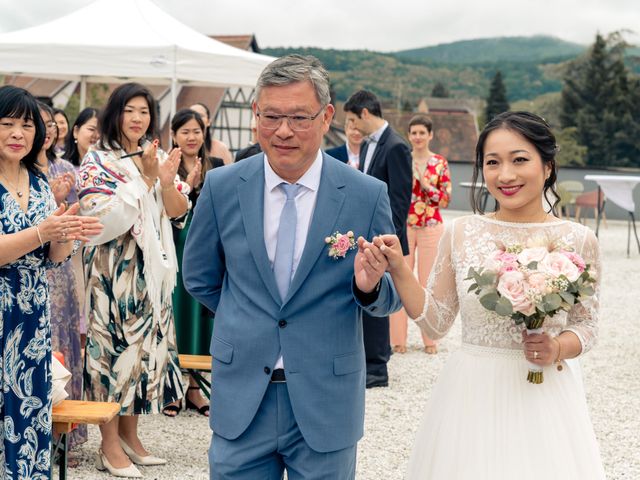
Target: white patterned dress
[484, 421]
[130, 268]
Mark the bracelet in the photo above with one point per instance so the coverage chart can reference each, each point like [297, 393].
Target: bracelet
[39, 236]
[557, 360]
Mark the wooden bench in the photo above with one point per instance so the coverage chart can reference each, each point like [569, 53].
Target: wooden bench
[69, 412]
[194, 365]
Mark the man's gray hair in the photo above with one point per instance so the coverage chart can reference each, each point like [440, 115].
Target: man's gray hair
[296, 68]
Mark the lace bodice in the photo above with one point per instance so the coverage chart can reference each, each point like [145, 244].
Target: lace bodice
[466, 242]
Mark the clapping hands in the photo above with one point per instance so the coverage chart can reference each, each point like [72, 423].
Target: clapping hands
[61, 186]
[64, 224]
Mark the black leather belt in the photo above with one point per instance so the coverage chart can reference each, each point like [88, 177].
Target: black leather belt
[278, 376]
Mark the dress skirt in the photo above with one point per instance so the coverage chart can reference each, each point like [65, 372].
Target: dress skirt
[485, 421]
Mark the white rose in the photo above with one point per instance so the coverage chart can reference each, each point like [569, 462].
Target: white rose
[534, 254]
[556, 264]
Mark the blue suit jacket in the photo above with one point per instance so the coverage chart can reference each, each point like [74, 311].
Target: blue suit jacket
[339, 152]
[318, 327]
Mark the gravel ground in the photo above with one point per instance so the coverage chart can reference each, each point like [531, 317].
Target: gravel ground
[611, 373]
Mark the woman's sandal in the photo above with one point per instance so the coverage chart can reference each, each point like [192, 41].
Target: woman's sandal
[172, 410]
[399, 349]
[189, 405]
[431, 349]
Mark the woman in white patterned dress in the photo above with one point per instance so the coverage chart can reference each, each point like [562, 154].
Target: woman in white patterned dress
[483, 419]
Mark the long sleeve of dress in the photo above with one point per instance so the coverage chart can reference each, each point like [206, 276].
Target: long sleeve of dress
[583, 317]
[441, 297]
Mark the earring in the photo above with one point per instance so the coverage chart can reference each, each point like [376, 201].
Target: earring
[75, 140]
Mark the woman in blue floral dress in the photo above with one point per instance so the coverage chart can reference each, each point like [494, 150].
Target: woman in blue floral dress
[34, 235]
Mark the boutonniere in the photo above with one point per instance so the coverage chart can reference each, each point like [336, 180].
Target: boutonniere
[340, 244]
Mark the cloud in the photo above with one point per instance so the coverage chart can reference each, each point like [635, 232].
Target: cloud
[371, 24]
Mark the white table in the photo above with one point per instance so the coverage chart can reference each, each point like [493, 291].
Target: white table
[618, 189]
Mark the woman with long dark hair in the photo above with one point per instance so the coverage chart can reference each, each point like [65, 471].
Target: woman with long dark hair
[131, 356]
[484, 420]
[34, 235]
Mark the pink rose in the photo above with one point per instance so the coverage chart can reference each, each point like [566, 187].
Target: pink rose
[538, 282]
[534, 254]
[342, 244]
[513, 287]
[575, 259]
[556, 264]
[501, 262]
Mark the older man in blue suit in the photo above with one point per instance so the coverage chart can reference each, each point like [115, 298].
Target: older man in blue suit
[268, 251]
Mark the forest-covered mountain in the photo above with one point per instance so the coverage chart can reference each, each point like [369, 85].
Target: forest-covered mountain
[531, 66]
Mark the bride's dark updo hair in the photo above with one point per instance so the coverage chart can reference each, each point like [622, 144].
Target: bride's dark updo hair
[538, 132]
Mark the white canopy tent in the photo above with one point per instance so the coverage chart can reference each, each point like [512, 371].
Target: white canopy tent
[116, 41]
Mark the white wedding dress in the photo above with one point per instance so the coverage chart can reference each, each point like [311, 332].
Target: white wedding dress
[484, 421]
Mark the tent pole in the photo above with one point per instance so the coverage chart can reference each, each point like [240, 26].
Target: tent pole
[83, 92]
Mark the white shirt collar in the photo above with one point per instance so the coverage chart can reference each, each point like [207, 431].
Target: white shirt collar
[310, 179]
[375, 136]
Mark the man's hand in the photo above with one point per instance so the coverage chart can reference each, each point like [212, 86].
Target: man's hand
[369, 266]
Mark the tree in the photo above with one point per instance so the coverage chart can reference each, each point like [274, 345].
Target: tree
[440, 91]
[601, 100]
[571, 152]
[497, 100]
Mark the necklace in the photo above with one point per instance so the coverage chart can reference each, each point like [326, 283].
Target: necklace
[18, 191]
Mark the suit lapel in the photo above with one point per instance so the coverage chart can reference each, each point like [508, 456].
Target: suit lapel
[251, 198]
[328, 205]
[377, 153]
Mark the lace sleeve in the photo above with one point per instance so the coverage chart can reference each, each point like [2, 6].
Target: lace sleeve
[583, 317]
[441, 297]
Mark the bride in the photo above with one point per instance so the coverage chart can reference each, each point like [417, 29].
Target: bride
[483, 420]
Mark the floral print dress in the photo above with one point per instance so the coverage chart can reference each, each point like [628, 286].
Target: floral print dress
[424, 210]
[130, 270]
[25, 342]
[65, 312]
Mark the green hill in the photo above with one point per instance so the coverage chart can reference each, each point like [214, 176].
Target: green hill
[490, 50]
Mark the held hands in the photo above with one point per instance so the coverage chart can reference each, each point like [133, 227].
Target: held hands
[369, 265]
[390, 247]
[540, 348]
[64, 225]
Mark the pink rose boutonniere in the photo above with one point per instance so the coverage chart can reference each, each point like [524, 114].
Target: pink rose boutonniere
[340, 244]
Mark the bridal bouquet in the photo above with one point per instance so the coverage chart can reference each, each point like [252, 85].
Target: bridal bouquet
[531, 283]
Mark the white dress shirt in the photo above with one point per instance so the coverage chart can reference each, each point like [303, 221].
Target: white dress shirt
[374, 138]
[274, 200]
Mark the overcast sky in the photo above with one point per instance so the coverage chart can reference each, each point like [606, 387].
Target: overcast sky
[381, 25]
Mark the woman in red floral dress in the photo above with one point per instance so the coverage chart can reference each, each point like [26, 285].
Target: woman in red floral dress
[431, 191]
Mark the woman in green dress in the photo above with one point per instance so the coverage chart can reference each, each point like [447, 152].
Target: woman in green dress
[194, 323]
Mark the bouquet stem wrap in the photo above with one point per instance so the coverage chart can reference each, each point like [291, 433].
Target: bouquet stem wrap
[535, 374]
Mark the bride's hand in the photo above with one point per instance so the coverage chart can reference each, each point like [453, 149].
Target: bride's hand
[390, 247]
[540, 348]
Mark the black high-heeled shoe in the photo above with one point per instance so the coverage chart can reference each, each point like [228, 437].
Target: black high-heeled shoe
[189, 405]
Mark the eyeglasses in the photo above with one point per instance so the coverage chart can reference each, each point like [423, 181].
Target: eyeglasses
[51, 125]
[297, 123]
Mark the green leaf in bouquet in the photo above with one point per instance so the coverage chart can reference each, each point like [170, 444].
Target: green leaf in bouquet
[472, 287]
[489, 300]
[504, 307]
[532, 265]
[471, 274]
[586, 290]
[518, 318]
[568, 297]
[487, 278]
[551, 301]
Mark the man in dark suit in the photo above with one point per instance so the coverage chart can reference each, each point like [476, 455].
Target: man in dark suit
[350, 151]
[386, 156]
